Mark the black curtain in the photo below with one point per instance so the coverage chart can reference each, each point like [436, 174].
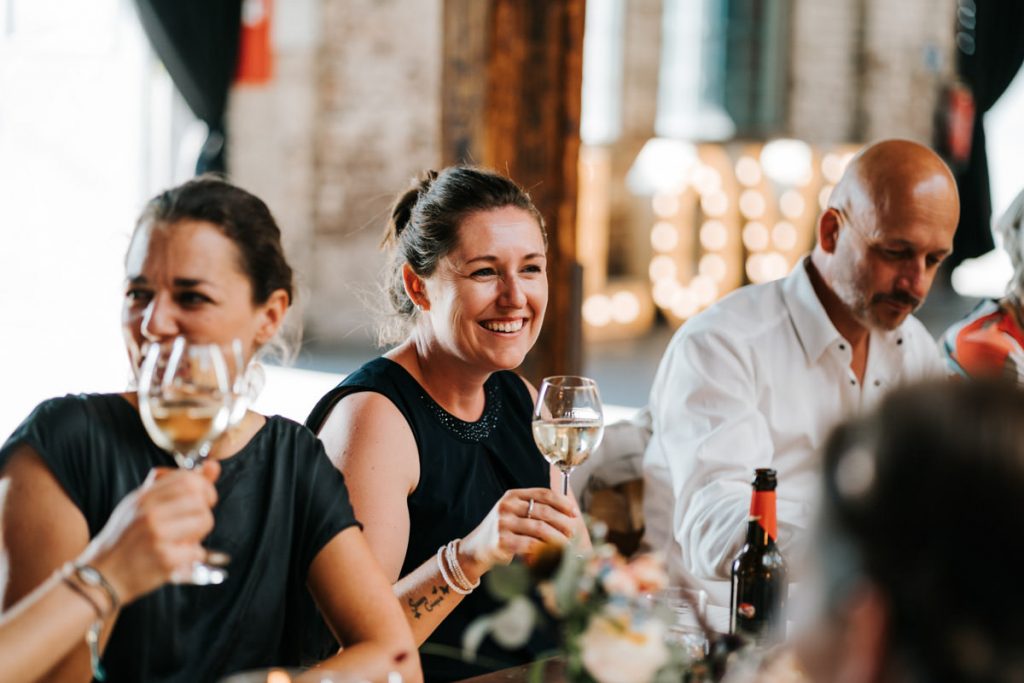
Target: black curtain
[990, 39]
[197, 40]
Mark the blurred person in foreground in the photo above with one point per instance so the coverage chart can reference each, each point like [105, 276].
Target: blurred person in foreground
[205, 263]
[917, 561]
[434, 437]
[759, 378]
[989, 342]
[151, 537]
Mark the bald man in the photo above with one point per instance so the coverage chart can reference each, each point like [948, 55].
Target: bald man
[759, 378]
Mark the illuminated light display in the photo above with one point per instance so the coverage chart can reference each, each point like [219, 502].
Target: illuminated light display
[755, 236]
[733, 213]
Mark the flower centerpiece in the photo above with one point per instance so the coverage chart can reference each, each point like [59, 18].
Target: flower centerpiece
[612, 629]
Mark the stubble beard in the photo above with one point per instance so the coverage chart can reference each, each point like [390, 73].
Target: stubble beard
[849, 289]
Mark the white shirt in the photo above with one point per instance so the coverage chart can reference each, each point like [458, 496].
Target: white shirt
[757, 380]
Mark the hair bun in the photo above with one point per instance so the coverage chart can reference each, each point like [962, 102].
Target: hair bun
[401, 213]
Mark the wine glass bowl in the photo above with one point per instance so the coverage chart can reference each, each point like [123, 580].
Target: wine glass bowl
[568, 422]
[184, 398]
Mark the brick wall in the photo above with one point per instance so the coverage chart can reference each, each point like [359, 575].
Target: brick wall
[823, 70]
[908, 48]
[350, 117]
[868, 69]
[379, 86]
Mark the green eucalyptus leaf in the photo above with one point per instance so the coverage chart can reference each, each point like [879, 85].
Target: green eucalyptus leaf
[566, 582]
[505, 582]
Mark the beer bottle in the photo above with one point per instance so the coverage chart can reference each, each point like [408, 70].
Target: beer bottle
[759, 572]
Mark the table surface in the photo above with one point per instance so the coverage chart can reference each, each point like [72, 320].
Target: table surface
[554, 672]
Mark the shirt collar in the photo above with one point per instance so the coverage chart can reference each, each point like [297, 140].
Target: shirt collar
[813, 326]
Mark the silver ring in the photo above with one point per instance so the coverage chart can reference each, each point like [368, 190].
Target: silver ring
[529, 510]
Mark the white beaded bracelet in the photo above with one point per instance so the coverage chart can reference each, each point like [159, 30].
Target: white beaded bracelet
[444, 573]
[452, 553]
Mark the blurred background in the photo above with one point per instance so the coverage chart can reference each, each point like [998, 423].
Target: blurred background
[678, 149]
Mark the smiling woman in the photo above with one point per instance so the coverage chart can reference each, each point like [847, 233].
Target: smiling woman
[434, 437]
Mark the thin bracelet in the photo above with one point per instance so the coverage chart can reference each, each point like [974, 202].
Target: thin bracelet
[91, 576]
[92, 636]
[444, 573]
[452, 552]
[82, 594]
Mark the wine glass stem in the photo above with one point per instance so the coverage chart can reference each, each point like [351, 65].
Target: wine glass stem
[565, 482]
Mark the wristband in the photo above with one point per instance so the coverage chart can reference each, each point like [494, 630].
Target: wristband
[452, 555]
[444, 573]
[91, 576]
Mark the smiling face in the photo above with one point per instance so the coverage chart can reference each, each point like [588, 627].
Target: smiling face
[485, 302]
[186, 279]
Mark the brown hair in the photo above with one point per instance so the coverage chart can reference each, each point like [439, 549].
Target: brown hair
[424, 228]
[241, 217]
[922, 497]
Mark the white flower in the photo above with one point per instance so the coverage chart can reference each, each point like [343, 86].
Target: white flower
[513, 624]
[510, 627]
[615, 651]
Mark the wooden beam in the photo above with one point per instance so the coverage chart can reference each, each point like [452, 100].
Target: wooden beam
[511, 83]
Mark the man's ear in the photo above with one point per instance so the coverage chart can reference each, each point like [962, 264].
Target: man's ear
[828, 230]
[415, 287]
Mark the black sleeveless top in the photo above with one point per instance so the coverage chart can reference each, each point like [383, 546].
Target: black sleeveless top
[280, 501]
[465, 467]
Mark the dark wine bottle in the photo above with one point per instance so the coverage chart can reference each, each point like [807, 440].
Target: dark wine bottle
[759, 586]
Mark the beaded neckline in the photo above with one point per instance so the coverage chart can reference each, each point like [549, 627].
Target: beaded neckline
[468, 431]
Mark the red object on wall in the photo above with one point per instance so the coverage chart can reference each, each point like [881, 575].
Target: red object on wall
[255, 56]
[960, 114]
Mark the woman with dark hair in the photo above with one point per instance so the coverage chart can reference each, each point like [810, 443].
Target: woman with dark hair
[917, 554]
[205, 263]
[434, 436]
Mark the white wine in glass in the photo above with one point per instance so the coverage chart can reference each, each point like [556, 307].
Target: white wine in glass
[184, 403]
[567, 422]
[183, 426]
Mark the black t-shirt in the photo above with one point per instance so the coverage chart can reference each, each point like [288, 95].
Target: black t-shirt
[280, 502]
[465, 467]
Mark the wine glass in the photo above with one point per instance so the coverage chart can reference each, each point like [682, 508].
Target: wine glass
[567, 422]
[246, 380]
[184, 402]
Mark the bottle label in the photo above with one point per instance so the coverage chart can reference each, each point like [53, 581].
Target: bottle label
[762, 509]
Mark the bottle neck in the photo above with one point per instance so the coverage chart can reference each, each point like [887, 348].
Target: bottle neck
[763, 527]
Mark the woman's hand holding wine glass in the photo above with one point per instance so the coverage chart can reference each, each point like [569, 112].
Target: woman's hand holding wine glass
[153, 535]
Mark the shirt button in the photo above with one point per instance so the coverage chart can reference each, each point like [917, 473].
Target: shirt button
[878, 383]
[899, 341]
[842, 347]
[853, 382]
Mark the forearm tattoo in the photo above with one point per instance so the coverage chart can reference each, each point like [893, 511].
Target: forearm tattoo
[426, 604]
